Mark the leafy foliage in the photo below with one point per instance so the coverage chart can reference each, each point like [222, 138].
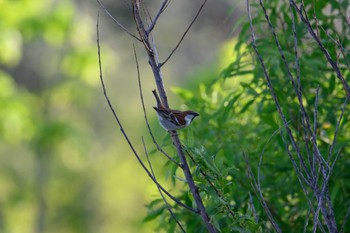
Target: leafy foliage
[238, 117]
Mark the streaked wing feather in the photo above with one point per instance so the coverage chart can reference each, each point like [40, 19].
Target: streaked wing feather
[167, 114]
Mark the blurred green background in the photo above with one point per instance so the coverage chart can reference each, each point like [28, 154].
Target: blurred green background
[64, 166]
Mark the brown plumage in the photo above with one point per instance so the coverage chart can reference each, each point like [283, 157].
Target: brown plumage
[172, 119]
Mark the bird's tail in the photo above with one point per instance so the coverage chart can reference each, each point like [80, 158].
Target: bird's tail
[157, 98]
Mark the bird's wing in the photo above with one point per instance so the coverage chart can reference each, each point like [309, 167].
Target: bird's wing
[170, 115]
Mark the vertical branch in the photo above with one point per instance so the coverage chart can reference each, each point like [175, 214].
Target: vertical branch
[150, 52]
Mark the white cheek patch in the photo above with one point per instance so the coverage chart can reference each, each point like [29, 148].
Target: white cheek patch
[188, 119]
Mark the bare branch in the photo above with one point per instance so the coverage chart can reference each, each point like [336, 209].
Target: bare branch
[307, 220]
[315, 110]
[183, 36]
[191, 184]
[297, 65]
[256, 217]
[335, 41]
[117, 22]
[299, 173]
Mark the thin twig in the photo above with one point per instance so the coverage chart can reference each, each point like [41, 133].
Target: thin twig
[256, 217]
[316, 109]
[307, 220]
[117, 22]
[159, 190]
[160, 11]
[346, 217]
[121, 126]
[337, 42]
[337, 130]
[313, 160]
[258, 191]
[184, 34]
[291, 157]
[297, 65]
[194, 189]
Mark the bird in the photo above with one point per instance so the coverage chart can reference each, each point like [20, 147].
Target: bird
[171, 119]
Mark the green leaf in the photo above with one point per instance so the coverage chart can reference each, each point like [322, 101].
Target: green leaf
[154, 214]
[185, 94]
[246, 106]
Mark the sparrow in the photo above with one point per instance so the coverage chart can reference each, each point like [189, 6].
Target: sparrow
[171, 119]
